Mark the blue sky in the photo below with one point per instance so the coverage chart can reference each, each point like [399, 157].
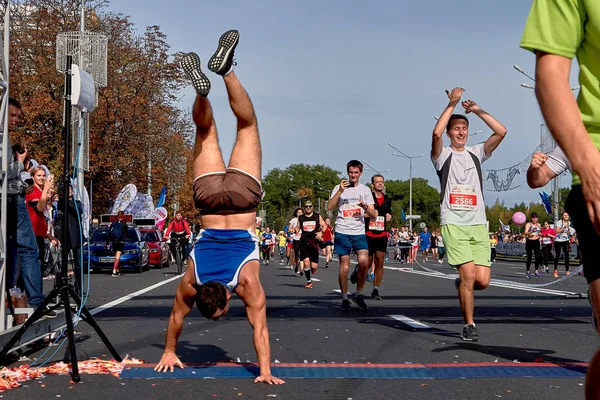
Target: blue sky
[337, 80]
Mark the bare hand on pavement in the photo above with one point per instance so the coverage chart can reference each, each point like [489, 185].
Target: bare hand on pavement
[270, 379]
[167, 362]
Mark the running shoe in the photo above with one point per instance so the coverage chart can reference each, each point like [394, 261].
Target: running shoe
[555, 274]
[313, 271]
[537, 274]
[327, 265]
[308, 285]
[527, 274]
[375, 295]
[568, 273]
[191, 66]
[220, 63]
[359, 300]
[372, 276]
[354, 275]
[369, 279]
[470, 333]
[457, 283]
[345, 305]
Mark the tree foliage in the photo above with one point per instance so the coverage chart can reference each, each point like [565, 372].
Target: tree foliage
[136, 119]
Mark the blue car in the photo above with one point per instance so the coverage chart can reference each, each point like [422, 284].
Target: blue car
[135, 252]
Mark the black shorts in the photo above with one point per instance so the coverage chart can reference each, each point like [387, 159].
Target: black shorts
[309, 250]
[118, 246]
[377, 244]
[297, 248]
[589, 241]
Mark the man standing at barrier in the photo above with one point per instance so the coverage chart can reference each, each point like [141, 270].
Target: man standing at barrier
[377, 232]
[463, 217]
[557, 31]
[225, 256]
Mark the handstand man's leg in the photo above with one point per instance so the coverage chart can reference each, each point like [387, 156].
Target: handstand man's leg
[247, 153]
[207, 153]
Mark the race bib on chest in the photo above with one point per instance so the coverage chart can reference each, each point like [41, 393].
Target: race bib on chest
[463, 197]
[351, 211]
[309, 226]
[377, 224]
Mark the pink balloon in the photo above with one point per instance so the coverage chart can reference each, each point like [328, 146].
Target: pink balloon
[519, 218]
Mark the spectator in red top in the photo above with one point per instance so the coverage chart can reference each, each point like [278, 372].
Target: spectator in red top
[37, 198]
[548, 235]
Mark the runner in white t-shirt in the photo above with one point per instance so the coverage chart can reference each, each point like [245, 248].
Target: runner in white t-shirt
[294, 229]
[463, 217]
[353, 200]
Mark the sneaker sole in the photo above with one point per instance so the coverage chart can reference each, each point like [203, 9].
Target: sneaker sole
[227, 44]
[469, 340]
[192, 68]
[359, 306]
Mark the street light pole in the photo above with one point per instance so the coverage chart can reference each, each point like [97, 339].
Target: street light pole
[410, 195]
[410, 158]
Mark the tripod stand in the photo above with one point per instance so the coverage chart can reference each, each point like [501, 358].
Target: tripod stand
[62, 287]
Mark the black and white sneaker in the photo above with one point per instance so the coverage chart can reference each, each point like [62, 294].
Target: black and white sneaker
[345, 305]
[375, 295]
[191, 66]
[470, 333]
[221, 62]
[360, 301]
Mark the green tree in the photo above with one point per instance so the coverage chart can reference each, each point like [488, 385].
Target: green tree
[285, 189]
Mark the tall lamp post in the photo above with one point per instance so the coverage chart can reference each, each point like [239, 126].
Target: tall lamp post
[398, 153]
[555, 181]
[298, 197]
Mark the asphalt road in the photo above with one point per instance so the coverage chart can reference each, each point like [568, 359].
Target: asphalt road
[516, 324]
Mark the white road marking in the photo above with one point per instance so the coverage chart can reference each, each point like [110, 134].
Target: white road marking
[410, 322]
[315, 279]
[131, 296]
[502, 285]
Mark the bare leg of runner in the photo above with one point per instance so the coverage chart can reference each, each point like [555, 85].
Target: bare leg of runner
[247, 153]
[343, 275]
[207, 153]
[472, 278]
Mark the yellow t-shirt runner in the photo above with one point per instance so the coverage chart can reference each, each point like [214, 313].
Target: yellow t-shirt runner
[571, 28]
[282, 240]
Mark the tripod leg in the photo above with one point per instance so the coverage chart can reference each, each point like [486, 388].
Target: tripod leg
[38, 313]
[88, 317]
[70, 334]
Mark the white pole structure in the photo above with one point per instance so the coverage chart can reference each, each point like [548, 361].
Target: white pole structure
[81, 130]
[410, 158]
[4, 65]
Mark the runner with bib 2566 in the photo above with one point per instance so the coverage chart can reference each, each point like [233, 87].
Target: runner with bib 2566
[463, 217]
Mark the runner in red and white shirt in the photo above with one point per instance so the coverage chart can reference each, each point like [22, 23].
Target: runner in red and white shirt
[377, 232]
[294, 229]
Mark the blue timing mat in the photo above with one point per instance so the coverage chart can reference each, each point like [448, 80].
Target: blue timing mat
[363, 371]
